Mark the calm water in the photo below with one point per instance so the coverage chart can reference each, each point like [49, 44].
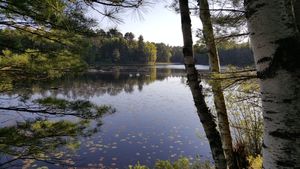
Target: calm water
[155, 118]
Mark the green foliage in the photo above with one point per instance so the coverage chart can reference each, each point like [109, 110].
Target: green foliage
[163, 52]
[150, 52]
[5, 83]
[111, 47]
[116, 56]
[138, 166]
[50, 141]
[181, 163]
[243, 103]
[163, 164]
[54, 14]
[40, 140]
[42, 38]
[33, 62]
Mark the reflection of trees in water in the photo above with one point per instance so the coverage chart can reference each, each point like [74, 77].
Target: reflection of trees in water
[52, 141]
[112, 82]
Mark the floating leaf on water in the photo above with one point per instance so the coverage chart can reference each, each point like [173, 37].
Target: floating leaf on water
[43, 167]
[59, 154]
[173, 155]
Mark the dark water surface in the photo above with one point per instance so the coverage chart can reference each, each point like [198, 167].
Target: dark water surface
[155, 117]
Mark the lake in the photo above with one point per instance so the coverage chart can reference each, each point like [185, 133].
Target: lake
[154, 118]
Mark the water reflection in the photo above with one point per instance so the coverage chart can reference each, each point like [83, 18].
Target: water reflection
[155, 118]
[110, 80]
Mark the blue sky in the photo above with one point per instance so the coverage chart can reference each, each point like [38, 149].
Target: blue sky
[157, 24]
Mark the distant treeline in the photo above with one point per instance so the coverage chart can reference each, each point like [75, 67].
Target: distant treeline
[229, 53]
[114, 47]
[24, 50]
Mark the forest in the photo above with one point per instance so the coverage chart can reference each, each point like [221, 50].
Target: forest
[74, 94]
[112, 47]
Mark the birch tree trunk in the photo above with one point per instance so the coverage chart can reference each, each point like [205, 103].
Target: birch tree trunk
[218, 95]
[276, 46]
[204, 113]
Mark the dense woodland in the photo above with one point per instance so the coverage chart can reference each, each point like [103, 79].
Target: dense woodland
[111, 47]
[46, 40]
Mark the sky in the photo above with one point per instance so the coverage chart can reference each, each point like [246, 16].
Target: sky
[156, 23]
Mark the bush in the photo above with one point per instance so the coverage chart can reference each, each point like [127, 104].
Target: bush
[181, 163]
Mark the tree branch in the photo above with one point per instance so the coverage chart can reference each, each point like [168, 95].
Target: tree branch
[231, 36]
[218, 10]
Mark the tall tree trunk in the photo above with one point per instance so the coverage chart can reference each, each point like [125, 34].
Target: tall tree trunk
[208, 34]
[296, 5]
[276, 46]
[219, 100]
[204, 113]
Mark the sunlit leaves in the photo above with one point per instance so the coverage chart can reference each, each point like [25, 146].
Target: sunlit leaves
[40, 139]
[33, 62]
[58, 14]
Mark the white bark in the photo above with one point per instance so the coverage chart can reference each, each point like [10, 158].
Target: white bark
[218, 95]
[275, 42]
[204, 113]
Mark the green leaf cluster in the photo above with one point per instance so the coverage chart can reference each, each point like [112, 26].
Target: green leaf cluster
[33, 62]
[181, 163]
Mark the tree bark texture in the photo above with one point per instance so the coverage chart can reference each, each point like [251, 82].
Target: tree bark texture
[276, 45]
[208, 34]
[218, 95]
[296, 5]
[204, 113]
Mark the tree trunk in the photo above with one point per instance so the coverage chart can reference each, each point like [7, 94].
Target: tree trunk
[209, 36]
[276, 46]
[219, 100]
[204, 113]
[296, 5]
